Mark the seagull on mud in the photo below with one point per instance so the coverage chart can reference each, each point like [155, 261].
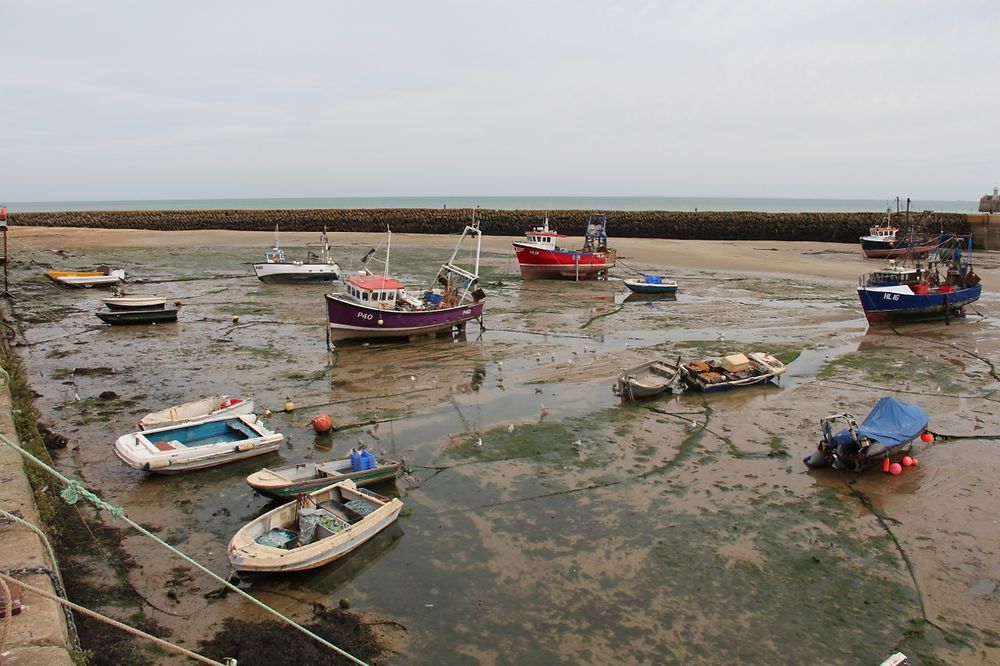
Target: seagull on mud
[544, 411]
[479, 443]
[510, 428]
[721, 337]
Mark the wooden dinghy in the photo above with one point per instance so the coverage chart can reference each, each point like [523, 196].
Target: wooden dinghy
[314, 530]
[197, 445]
[361, 467]
[649, 379]
[733, 371]
[211, 407]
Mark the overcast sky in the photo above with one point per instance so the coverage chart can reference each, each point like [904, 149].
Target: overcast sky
[796, 98]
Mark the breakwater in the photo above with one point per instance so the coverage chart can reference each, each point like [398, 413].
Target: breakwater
[685, 225]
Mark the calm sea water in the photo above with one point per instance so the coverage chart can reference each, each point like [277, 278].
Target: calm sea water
[507, 203]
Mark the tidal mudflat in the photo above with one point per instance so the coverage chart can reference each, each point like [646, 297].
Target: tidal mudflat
[580, 530]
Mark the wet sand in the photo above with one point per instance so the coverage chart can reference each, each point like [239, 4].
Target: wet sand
[684, 529]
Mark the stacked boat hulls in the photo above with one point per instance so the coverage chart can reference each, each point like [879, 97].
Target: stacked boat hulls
[330, 514]
[130, 310]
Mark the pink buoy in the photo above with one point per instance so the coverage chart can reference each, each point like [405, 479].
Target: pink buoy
[907, 461]
[895, 469]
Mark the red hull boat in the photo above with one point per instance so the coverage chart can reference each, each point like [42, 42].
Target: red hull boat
[540, 256]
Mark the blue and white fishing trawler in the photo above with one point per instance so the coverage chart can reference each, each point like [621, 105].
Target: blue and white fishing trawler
[936, 288]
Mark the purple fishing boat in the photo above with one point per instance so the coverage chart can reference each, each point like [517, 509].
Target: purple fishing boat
[375, 306]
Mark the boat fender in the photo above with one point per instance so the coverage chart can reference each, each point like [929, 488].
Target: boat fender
[156, 464]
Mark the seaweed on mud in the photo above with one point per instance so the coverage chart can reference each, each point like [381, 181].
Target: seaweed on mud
[272, 643]
[88, 551]
[94, 410]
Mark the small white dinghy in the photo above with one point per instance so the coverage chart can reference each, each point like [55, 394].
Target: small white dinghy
[197, 445]
[314, 530]
[212, 406]
[136, 302]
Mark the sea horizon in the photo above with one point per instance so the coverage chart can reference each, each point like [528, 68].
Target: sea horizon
[594, 203]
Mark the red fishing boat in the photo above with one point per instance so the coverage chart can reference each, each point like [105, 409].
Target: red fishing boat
[540, 256]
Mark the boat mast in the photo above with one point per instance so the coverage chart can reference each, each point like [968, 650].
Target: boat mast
[388, 245]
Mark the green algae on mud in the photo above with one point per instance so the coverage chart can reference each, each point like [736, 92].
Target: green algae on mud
[890, 366]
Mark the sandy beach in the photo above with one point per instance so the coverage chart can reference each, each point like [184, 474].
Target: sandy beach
[796, 258]
[680, 530]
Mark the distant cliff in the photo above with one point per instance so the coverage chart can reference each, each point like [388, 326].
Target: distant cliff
[827, 227]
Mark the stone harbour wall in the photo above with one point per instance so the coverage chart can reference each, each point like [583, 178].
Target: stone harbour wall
[823, 227]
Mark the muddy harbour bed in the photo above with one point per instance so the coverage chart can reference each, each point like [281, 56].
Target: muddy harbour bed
[679, 530]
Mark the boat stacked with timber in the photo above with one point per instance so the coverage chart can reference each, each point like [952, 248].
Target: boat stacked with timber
[732, 371]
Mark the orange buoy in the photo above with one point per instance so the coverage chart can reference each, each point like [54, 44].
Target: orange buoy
[322, 423]
[885, 464]
[926, 437]
[895, 469]
[907, 461]
[915, 462]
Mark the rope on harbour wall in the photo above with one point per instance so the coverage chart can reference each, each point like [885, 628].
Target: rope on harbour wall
[54, 574]
[73, 492]
[115, 623]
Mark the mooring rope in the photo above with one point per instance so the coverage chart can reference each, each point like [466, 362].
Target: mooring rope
[55, 575]
[115, 623]
[74, 491]
[8, 608]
